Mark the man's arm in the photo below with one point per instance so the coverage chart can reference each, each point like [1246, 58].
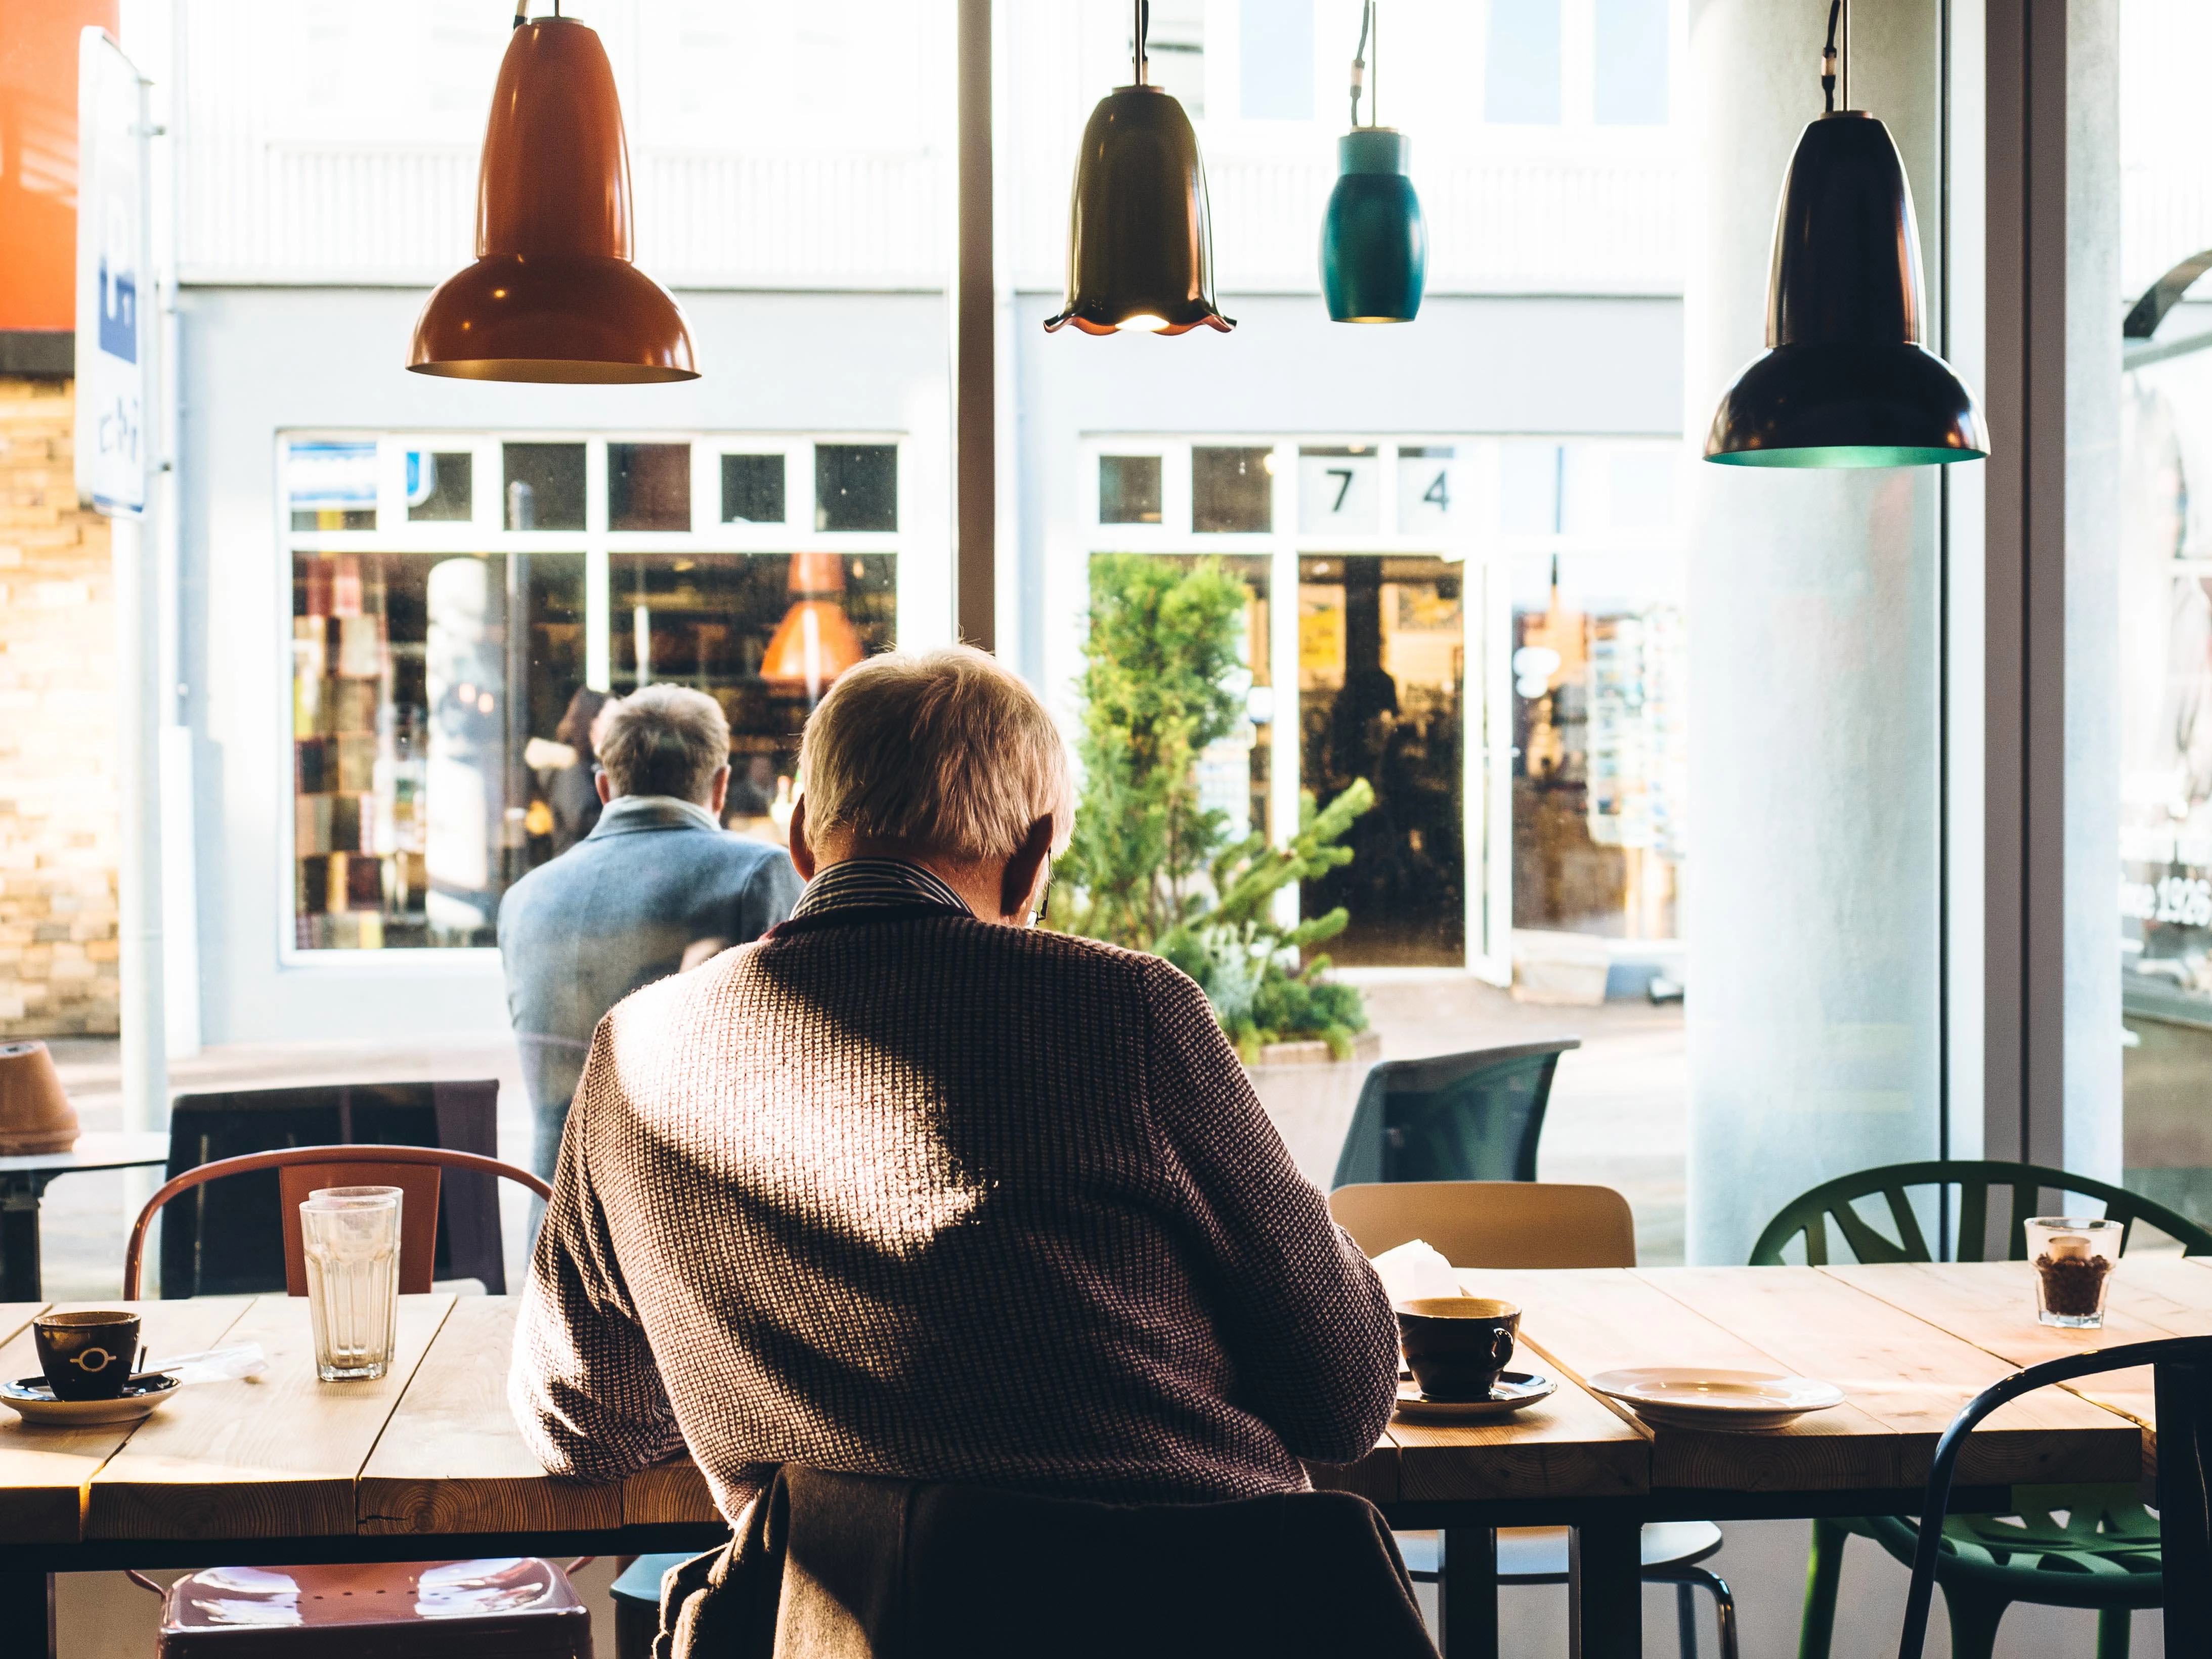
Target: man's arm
[1306, 1320]
[583, 1385]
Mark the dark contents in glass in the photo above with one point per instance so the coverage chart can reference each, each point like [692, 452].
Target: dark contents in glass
[2073, 1286]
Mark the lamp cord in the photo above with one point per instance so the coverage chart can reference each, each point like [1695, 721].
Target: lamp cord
[1360, 62]
[1143, 27]
[1828, 59]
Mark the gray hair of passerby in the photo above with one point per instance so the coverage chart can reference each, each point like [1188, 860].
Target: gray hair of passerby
[944, 750]
[663, 741]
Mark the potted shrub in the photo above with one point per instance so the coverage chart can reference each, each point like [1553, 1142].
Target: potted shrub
[1152, 869]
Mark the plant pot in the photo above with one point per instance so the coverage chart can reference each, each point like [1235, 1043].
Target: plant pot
[1309, 1095]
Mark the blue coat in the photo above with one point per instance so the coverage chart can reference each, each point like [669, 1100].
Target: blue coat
[617, 911]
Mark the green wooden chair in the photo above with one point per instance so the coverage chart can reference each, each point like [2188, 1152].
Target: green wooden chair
[2104, 1555]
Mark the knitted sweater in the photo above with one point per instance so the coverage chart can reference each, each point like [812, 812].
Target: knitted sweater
[897, 1192]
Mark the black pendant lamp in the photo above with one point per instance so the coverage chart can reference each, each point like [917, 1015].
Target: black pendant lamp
[1845, 381]
[1374, 243]
[1139, 248]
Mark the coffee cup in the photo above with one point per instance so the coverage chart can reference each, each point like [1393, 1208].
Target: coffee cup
[1457, 1344]
[86, 1356]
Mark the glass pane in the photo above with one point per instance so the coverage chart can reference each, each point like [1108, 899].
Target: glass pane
[1339, 491]
[1276, 75]
[1174, 50]
[1521, 81]
[1630, 45]
[648, 486]
[1232, 490]
[1381, 664]
[856, 487]
[332, 486]
[441, 485]
[764, 634]
[1128, 489]
[752, 490]
[545, 486]
[1428, 488]
[415, 706]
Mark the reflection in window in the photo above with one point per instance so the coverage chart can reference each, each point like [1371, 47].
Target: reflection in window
[1276, 44]
[1175, 51]
[332, 486]
[1631, 47]
[764, 635]
[441, 486]
[1521, 78]
[752, 490]
[648, 486]
[419, 681]
[1232, 490]
[1128, 489]
[545, 486]
[1381, 671]
[856, 487]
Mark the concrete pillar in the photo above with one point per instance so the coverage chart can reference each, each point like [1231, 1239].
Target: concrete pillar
[1813, 921]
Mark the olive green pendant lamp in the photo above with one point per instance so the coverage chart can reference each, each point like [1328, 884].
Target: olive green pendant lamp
[1374, 242]
[1139, 248]
[1845, 381]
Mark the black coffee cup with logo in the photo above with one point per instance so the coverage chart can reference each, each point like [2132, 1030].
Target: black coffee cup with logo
[86, 1356]
[1457, 1344]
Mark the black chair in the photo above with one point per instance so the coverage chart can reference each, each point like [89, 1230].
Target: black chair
[2183, 1393]
[1475, 1116]
[226, 1238]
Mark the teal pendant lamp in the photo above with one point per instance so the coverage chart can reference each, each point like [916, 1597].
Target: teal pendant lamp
[1374, 243]
[1845, 381]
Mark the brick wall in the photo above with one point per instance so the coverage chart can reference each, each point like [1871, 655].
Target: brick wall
[58, 760]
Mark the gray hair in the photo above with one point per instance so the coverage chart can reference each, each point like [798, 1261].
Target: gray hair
[946, 750]
[663, 741]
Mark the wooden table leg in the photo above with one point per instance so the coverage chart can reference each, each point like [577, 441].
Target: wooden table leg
[1605, 1591]
[2185, 1519]
[1466, 1593]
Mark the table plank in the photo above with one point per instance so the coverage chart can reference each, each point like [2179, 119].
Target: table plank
[1572, 1445]
[14, 1317]
[1910, 1374]
[452, 1460]
[1590, 1320]
[44, 1471]
[272, 1456]
[671, 1492]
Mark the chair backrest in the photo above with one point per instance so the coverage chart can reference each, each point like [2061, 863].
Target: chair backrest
[301, 1170]
[228, 1239]
[2183, 1374]
[1811, 1214]
[1493, 1223]
[1474, 1117]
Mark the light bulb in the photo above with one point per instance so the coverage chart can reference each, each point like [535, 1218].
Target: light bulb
[1143, 323]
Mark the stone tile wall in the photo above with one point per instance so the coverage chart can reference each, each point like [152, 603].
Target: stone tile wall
[58, 844]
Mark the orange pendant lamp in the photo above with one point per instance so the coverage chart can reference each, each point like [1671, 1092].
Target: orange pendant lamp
[816, 641]
[553, 296]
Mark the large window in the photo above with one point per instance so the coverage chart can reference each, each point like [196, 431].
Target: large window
[450, 644]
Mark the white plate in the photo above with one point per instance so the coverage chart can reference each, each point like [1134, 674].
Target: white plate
[1514, 1390]
[1678, 1397]
[35, 1402]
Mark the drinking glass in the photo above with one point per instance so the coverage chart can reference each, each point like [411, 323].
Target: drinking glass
[351, 1239]
[2073, 1258]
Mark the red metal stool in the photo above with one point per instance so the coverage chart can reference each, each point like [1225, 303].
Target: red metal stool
[510, 1608]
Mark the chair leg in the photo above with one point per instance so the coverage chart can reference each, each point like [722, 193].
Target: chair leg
[1824, 1570]
[1685, 1620]
[1724, 1607]
[2114, 1626]
[1974, 1620]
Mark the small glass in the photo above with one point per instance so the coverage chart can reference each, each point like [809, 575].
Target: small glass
[2074, 1258]
[351, 1239]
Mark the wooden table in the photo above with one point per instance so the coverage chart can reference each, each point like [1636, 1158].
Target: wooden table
[426, 1462]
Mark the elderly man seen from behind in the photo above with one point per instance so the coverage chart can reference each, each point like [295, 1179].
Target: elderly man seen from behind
[911, 1188]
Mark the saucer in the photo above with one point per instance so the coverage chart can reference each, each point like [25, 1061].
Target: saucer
[1514, 1390]
[33, 1400]
[1678, 1397]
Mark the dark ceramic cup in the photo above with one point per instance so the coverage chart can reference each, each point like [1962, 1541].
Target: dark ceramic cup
[86, 1356]
[1457, 1344]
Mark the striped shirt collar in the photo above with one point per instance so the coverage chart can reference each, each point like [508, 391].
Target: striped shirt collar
[857, 883]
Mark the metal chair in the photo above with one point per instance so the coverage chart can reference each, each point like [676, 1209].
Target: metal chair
[521, 1608]
[1475, 1116]
[1530, 1223]
[2104, 1555]
[2183, 1368]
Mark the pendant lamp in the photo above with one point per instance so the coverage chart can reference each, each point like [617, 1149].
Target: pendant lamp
[1139, 248]
[553, 296]
[1374, 243]
[1845, 381]
[816, 641]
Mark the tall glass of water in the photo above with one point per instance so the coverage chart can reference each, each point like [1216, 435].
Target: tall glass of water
[351, 1238]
